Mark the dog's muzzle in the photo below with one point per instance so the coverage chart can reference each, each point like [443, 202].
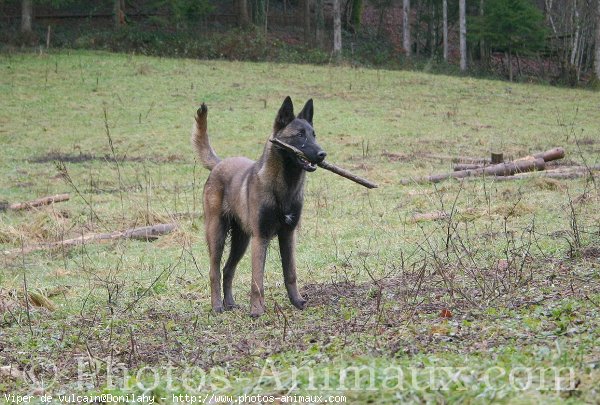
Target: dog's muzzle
[312, 166]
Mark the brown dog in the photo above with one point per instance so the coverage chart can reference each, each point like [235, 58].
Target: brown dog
[256, 200]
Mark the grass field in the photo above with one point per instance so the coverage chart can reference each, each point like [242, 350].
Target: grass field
[496, 302]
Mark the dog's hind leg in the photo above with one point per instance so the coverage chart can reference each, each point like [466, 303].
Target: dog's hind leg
[257, 289]
[287, 248]
[239, 243]
[216, 232]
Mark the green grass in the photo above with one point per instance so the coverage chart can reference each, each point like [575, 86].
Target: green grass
[519, 278]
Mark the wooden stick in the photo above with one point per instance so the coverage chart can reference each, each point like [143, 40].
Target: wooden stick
[39, 202]
[328, 166]
[147, 233]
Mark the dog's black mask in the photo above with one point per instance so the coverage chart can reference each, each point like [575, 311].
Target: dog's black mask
[298, 132]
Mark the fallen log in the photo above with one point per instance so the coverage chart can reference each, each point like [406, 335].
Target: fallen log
[328, 166]
[502, 169]
[552, 154]
[471, 160]
[560, 174]
[146, 233]
[467, 166]
[549, 155]
[526, 164]
[35, 203]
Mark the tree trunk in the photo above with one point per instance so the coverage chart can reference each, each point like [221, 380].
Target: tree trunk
[597, 46]
[406, 26]
[258, 12]
[306, 21]
[510, 67]
[463, 34]
[242, 13]
[337, 30]
[481, 42]
[26, 15]
[356, 16]
[445, 29]
[417, 31]
[320, 23]
[119, 13]
[574, 46]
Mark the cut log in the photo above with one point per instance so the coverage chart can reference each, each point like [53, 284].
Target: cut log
[497, 158]
[552, 154]
[327, 166]
[560, 174]
[471, 160]
[467, 166]
[146, 233]
[38, 202]
[526, 164]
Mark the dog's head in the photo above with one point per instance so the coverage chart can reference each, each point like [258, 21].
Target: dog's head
[298, 132]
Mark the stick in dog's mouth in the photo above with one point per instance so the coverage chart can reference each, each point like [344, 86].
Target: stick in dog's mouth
[327, 166]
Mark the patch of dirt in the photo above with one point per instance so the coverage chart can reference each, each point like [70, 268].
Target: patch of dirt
[87, 157]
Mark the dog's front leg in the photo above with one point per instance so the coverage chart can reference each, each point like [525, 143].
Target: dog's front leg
[257, 290]
[287, 248]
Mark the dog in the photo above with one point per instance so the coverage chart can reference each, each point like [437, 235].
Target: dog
[256, 201]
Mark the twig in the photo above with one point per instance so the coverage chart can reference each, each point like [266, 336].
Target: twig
[327, 166]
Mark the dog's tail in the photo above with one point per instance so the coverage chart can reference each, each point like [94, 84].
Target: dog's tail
[207, 155]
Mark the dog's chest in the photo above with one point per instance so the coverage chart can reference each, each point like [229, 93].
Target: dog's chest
[272, 218]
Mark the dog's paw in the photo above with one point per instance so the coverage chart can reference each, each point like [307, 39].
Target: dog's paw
[218, 309]
[257, 311]
[299, 303]
[230, 306]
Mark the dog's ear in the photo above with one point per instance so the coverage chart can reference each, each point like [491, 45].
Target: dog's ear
[307, 112]
[285, 114]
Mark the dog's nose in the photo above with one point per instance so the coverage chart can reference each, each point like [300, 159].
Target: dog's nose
[321, 155]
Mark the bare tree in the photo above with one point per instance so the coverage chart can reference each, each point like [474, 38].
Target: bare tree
[463, 34]
[306, 20]
[445, 28]
[26, 16]
[119, 13]
[320, 23]
[597, 46]
[337, 30]
[573, 26]
[243, 18]
[406, 26]
[481, 42]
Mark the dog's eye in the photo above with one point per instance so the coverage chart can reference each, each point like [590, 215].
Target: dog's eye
[301, 133]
